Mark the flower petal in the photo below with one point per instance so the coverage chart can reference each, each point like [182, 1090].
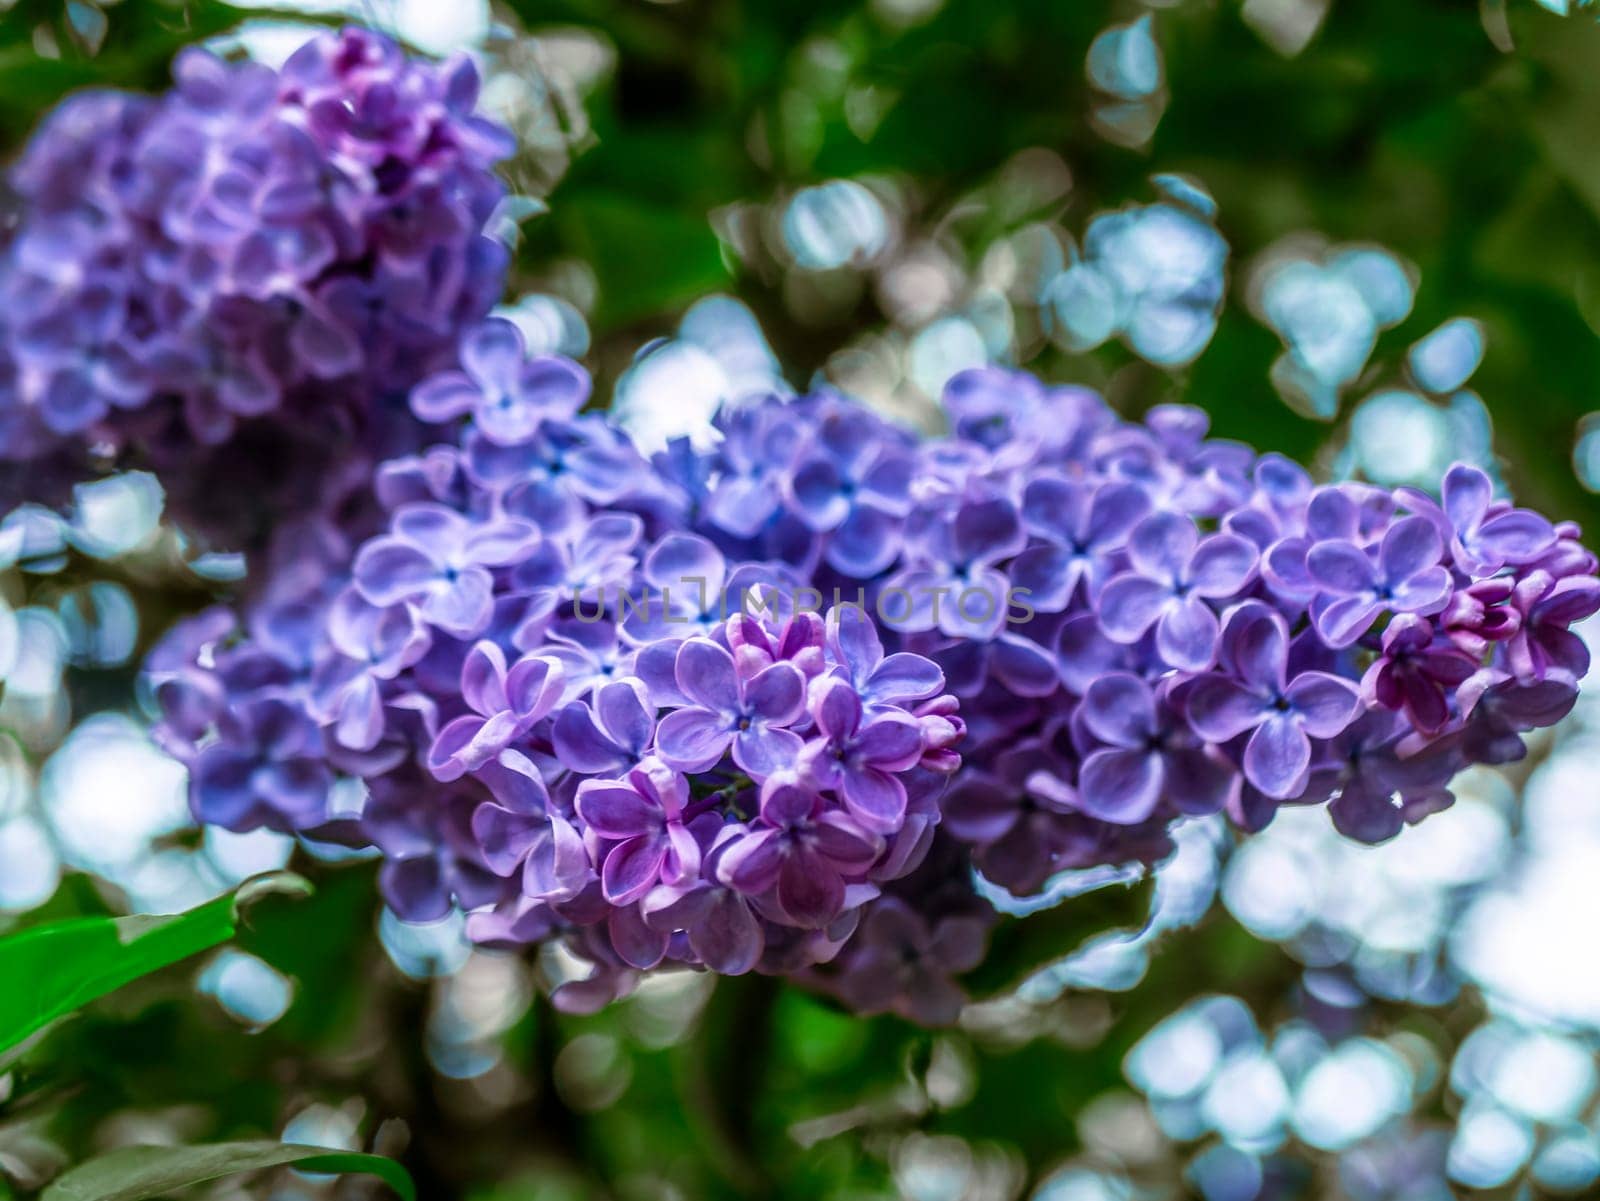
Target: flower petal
[1130, 605]
[705, 674]
[764, 750]
[776, 694]
[727, 937]
[752, 863]
[876, 799]
[693, 739]
[632, 869]
[892, 742]
[1466, 493]
[614, 810]
[1222, 565]
[1161, 546]
[1277, 759]
[1340, 567]
[1220, 709]
[1186, 634]
[389, 570]
[483, 677]
[1121, 786]
[809, 892]
[1119, 710]
[444, 397]
[635, 941]
[1326, 704]
[1409, 546]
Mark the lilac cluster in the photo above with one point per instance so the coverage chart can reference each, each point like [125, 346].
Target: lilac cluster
[1142, 623]
[238, 282]
[729, 707]
[574, 717]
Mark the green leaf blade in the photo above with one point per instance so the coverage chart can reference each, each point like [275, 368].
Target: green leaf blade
[137, 1173]
[48, 971]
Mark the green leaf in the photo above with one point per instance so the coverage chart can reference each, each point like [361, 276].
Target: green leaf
[1020, 947]
[133, 1173]
[54, 969]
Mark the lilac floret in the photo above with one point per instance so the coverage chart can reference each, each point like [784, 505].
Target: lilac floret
[1257, 697]
[1174, 573]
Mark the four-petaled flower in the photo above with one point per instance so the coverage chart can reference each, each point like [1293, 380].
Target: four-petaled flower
[803, 851]
[859, 755]
[439, 561]
[1084, 527]
[1489, 534]
[1544, 640]
[1148, 756]
[265, 770]
[1417, 673]
[508, 395]
[727, 709]
[505, 704]
[855, 486]
[878, 679]
[1174, 573]
[953, 585]
[523, 834]
[609, 736]
[718, 920]
[645, 814]
[1405, 576]
[1256, 697]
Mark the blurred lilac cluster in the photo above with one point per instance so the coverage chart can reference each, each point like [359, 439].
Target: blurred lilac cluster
[237, 283]
[767, 705]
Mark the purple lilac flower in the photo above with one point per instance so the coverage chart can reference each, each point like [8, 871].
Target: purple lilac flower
[687, 591]
[1378, 788]
[266, 769]
[587, 566]
[808, 788]
[1257, 697]
[253, 259]
[1489, 534]
[439, 561]
[955, 587]
[523, 834]
[1174, 573]
[740, 486]
[509, 395]
[1405, 576]
[878, 679]
[803, 852]
[433, 862]
[1417, 673]
[901, 961]
[860, 756]
[1018, 837]
[721, 925]
[505, 703]
[644, 813]
[857, 487]
[1149, 756]
[1083, 528]
[749, 714]
[1548, 609]
[1498, 709]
